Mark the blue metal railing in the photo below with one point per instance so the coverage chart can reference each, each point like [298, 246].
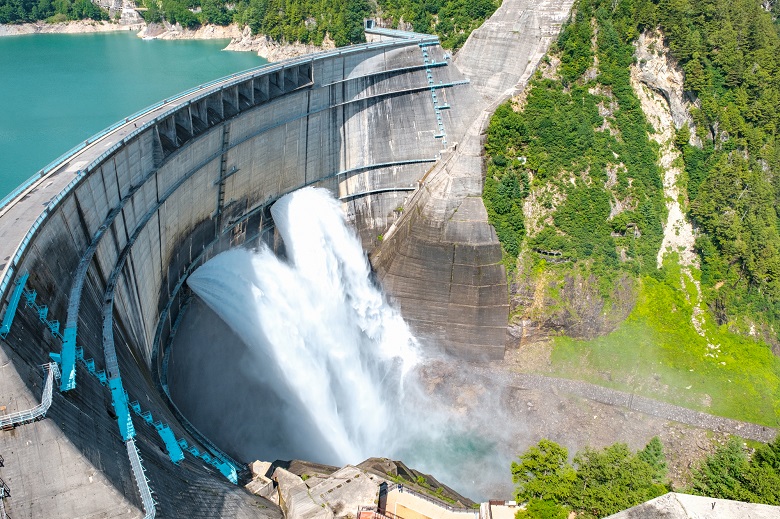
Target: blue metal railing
[177, 446]
[69, 356]
[228, 81]
[43, 313]
[10, 312]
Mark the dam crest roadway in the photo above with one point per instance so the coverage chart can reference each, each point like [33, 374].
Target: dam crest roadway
[95, 248]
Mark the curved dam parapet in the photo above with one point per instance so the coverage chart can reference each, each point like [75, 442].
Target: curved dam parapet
[95, 250]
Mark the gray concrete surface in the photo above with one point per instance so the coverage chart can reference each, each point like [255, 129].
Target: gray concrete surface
[172, 188]
[683, 506]
[441, 261]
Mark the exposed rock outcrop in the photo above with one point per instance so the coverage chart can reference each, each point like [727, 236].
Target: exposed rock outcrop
[167, 31]
[657, 70]
[271, 50]
[543, 306]
[75, 27]
[241, 40]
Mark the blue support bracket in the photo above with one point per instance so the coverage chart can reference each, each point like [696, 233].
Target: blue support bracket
[136, 407]
[119, 400]
[229, 471]
[147, 416]
[183, 443]
[171, 445]
[10, 312]
[194, 451]
[30, 297]
[68, 366]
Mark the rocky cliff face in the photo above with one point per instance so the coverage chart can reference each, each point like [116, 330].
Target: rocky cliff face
[658, 71]
[240, 40]
[543, 306]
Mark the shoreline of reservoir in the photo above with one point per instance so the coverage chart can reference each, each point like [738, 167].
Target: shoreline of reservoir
[241, 40]
[67, 88]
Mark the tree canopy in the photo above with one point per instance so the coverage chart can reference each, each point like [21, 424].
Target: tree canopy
[601, 482]
[21, 11]
[729, 473]
[581, 139]
[730, 52]
[304, 21]
[596, 484]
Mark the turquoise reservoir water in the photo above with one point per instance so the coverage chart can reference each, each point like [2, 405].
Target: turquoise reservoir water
[56, 90]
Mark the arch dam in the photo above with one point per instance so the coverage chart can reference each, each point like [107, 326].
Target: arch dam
[95, 249]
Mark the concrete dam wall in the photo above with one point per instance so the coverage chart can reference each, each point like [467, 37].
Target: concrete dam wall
[143, 207]
[95, 249]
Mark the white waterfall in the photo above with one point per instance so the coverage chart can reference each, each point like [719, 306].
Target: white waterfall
[321, 333]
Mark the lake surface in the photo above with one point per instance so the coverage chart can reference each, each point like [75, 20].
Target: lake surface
[58, 89]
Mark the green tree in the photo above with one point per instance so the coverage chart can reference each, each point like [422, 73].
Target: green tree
[215, 12]
[653, 455]
[539, 509]
[720, 474]
[729, 473]
[612, 480]
[543, 473]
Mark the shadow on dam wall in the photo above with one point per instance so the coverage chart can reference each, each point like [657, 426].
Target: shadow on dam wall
[145, 204]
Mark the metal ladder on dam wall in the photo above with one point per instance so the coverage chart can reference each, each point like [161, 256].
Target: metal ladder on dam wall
[10, 313]
[437, 107]
[4, 492]
[175, 447]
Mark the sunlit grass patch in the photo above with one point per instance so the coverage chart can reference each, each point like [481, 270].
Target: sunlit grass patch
[657, 353]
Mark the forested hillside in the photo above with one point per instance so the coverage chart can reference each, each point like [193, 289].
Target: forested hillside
[305, 21]
[19, 11]
[574, 189]
[730, 52]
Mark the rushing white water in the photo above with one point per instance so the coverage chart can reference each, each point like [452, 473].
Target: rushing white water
[321, 333]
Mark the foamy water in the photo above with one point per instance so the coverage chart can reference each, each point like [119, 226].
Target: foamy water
[320, 331]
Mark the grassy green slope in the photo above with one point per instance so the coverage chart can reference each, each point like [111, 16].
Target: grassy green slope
[656, 352]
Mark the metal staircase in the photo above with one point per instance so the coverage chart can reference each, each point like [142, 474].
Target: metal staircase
[39, 411]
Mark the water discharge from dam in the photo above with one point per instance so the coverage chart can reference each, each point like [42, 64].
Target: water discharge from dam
[320, 332]
[305, 359]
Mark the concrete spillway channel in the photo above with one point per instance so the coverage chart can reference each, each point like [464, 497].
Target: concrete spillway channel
[108, 233]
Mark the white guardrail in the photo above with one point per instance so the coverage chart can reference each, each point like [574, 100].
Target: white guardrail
[140, 479]
[39, 411]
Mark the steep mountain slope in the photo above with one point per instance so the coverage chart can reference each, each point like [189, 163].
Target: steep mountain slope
[633, 187]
